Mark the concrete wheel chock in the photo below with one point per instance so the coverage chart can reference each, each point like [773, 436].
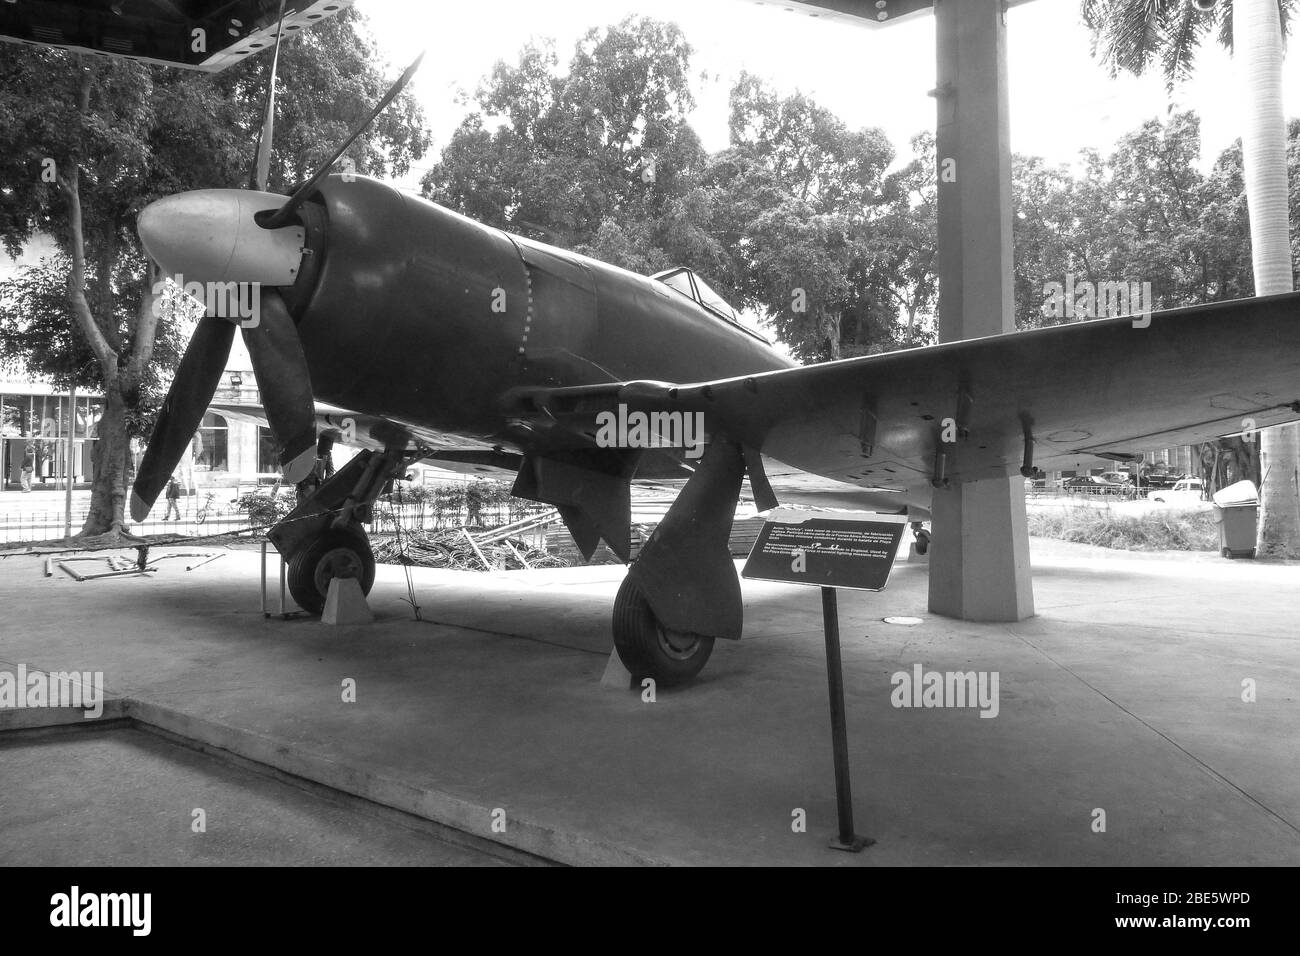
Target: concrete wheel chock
[345, 604]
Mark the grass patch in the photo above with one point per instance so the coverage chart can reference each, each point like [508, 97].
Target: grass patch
[1157, 530]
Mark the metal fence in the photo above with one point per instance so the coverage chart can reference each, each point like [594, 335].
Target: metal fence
[24, 526]
[21, 526]
[427, 515]
[1120, 494]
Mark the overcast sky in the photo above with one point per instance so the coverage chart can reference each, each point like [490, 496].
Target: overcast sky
[870, 76]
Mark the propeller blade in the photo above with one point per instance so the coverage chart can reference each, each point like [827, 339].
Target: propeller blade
[282, 215]
[188, 398]
[262, 167]
[285, 383]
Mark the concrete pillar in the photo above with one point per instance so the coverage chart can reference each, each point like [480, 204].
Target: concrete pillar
[979, 567]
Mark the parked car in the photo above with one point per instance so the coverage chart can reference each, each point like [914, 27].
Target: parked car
[1160, 480]
[1184, 491]
[1126, 485]
[1093, 485]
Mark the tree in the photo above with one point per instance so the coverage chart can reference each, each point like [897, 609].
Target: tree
[1225, 461]
[905, 242]
[1226, 225]
[1140, 214]
[1132, 35]
[37, 333]
[1058, 229]
[799, 262]
[807, 212]
[601, 159]
[86, 142]
[562, 157]
[1155, 218]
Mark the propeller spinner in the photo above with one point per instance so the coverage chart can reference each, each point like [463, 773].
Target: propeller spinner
[245, 242]
[209, 237]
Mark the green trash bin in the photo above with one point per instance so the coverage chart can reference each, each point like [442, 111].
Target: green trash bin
[1236, 509]
[1237, 529]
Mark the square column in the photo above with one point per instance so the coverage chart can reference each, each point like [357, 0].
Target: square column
[979, 560]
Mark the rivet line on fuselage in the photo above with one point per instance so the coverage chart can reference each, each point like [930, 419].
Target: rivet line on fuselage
[528, 316]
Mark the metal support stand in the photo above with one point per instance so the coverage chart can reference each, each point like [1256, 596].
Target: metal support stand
[283, 614]
[847, 839]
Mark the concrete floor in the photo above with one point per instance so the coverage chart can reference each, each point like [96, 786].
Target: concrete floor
[1123, 694]
[126, 797]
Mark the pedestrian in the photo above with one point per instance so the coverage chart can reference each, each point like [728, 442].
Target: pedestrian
[29, 466]
[173, 499]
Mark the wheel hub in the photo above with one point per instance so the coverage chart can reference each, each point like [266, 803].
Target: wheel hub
[676, 644]
[337, 563]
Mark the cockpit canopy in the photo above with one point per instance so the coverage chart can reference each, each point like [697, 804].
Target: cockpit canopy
[693, 287]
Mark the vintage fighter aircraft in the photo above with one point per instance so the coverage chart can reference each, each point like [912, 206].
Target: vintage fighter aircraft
[455, 342]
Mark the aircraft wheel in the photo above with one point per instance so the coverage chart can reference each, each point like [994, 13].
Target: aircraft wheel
[335, 554]
[648, 649]
[922, 542]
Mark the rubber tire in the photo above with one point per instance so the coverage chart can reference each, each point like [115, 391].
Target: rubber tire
[304, 565]
[644, 647]
[922, 542]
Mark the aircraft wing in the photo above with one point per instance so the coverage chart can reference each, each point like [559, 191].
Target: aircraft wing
[898, 424]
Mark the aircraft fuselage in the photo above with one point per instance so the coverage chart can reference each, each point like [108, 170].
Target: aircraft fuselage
[410, 311]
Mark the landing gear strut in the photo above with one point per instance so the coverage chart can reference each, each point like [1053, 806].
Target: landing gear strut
[322, 539]
[682, 592]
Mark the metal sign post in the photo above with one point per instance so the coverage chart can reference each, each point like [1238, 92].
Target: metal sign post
[71, 447]
[831, 550]
[846, 839]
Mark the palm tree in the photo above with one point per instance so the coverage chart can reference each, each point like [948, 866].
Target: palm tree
[1131, 36]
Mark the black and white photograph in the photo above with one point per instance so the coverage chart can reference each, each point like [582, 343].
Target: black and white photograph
[841, 434]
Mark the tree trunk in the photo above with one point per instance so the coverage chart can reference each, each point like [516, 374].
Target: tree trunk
[108, 495]
[1257, 41]
[832, 326]
[1278, 458]
[121, 382]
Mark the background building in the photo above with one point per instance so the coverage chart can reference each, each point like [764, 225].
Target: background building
[35, 417]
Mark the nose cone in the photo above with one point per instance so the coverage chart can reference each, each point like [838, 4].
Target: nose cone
[209, 235]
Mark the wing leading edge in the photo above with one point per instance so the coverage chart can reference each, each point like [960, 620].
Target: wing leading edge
[979, 409]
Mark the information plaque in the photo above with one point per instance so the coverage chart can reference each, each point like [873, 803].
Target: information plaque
[839, 549]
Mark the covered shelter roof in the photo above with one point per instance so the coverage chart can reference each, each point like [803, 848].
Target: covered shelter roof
[207, 35]
[870, 12]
